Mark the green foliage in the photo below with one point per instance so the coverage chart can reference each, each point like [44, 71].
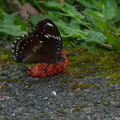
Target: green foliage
[83, 24]
[11, 26]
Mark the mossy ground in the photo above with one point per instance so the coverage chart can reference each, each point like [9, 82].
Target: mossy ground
[102, 64]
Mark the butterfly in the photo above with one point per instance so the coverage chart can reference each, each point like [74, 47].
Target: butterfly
[42, 44]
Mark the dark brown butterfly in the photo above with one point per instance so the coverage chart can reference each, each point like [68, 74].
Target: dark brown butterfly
[42, 44]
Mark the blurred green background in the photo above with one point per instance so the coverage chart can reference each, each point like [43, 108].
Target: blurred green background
[89, 24]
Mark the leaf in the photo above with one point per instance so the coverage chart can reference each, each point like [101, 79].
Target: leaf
[77, 23]
[71, 32]
[60, 14]
[95, 36]
[85, 3]
[111, 39]
[101, 25]
[75, 35]
[12, 30]
[94, 13]
[53, 5]
[54, 17]
[71, 11]
[8, 20]
[109, 11]
[116, 46]
[34, 19]
[90, 46]
[20, 22]
[92, 4]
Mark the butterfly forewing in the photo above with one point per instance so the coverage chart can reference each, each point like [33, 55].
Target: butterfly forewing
[42, 44]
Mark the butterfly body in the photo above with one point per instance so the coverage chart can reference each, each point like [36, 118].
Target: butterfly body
[42, 44]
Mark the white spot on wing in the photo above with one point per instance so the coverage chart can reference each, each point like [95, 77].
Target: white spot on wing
[49, 24]
[53, 36]
[35, 48]
[46, 36]
[13, 51]
[41, 41]
[59, 38]
[27, 34]
[49, 35]
[14, 42]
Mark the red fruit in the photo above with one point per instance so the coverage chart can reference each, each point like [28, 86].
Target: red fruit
[42, 70]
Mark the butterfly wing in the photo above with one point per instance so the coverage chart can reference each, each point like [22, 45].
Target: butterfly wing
[42, 44]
